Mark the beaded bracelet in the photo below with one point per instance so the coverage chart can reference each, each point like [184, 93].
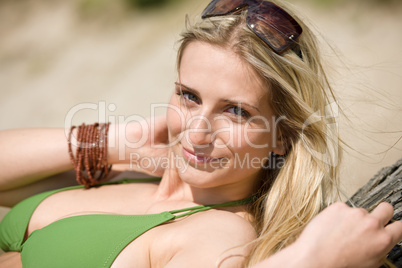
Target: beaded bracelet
[90, 161]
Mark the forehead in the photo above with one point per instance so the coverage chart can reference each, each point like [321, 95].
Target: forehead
[220, 71]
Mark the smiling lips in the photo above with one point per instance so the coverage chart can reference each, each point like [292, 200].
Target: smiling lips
[199, 158]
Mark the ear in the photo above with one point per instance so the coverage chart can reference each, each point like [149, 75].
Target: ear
[280, 147]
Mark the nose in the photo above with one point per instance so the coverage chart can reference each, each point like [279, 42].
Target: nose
[199, 132]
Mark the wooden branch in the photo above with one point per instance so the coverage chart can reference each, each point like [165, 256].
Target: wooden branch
[385, 186]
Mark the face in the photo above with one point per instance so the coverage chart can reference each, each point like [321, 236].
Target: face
[220, 123]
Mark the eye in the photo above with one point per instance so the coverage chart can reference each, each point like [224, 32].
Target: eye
[237, 111]
[188, 96]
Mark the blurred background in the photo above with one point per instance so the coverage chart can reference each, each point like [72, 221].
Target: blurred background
[119, 55]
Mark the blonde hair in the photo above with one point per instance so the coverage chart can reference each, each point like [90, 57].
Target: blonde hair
[301, 96]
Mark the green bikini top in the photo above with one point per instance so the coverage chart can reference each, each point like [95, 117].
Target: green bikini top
[93, 240]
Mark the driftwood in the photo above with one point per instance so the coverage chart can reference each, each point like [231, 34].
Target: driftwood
[386, 186]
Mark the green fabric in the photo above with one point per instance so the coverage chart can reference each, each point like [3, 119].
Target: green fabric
[14, 224]
[93, 240]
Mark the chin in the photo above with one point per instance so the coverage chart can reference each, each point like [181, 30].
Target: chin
[202, 178]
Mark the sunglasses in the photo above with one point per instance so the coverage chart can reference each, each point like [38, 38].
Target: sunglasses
[268, 21]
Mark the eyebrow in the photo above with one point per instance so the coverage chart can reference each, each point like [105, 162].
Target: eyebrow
[234, 102]
[188, 88]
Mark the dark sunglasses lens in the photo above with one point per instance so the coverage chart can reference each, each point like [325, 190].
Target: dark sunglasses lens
[220, 7]
[274, 26]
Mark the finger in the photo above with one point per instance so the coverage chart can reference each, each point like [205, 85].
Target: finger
[383, 212]
[395, 230]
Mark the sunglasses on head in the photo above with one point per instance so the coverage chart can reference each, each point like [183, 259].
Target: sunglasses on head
[268, 21]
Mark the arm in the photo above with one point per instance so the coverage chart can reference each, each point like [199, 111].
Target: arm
[341, 236]
[30, 155]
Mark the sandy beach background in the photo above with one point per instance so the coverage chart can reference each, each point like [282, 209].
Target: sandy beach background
[55, 55]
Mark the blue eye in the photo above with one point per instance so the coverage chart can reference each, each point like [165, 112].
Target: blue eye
[188, 96]
[238, 111]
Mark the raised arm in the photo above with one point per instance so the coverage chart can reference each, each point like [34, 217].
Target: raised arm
[29, 155]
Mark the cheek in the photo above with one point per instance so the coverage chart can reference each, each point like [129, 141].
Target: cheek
[254, 142]
[238, 137]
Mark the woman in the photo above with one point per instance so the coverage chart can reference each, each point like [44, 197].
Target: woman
[246, 129]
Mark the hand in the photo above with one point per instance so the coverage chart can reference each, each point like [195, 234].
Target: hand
[143, 145]
[341, 236]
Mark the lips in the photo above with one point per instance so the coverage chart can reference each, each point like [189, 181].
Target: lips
[198, 158]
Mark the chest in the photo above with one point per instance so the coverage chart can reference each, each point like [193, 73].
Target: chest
[115, 224]
[105, 241]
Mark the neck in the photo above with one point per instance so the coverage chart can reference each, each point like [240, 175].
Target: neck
[174, 188]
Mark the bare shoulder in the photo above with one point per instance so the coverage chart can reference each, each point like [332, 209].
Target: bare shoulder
[212, 238]
[220, 223]
[224, 222]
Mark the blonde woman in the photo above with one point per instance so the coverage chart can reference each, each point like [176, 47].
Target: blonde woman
[247, 129]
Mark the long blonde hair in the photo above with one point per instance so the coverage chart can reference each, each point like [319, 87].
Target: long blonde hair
[302, 97]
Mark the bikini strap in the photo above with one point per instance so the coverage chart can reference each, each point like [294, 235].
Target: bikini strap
[195, 209]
